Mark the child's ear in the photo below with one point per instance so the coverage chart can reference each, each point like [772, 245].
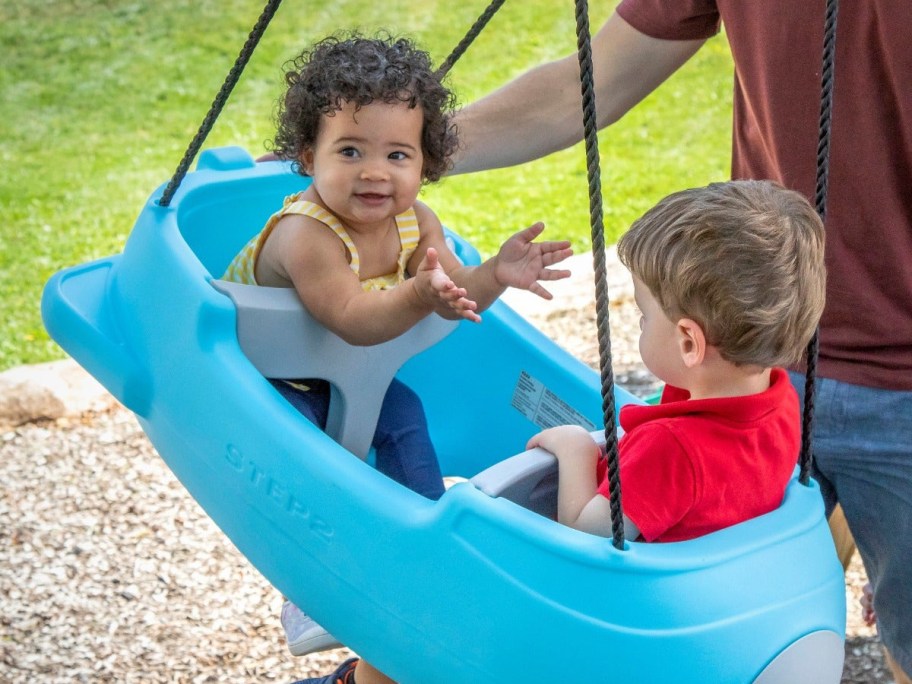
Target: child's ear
[307, 161]
[691, 342]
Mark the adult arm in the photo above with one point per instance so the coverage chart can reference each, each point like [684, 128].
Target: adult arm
[540, 111]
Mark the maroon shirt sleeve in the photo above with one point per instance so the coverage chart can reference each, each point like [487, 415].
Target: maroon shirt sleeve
[676, 20]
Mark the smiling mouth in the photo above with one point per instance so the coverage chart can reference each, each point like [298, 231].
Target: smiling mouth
[371, 197]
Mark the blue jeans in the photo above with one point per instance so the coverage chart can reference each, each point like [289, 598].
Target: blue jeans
[863, 460]
[402, 444]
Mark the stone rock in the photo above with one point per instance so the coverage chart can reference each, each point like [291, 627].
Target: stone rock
[50, 390]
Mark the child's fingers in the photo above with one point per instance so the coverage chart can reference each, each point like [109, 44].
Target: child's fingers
[468, 314]
[443, 284]
[467, 309]
[554, 252]
[532, 232]
[464, 304]
[554, 274]
[541, 439]
[536, 288]
[447, 290]
[431, 259]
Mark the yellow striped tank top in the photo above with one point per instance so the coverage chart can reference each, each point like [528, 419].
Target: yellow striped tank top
[241, 268]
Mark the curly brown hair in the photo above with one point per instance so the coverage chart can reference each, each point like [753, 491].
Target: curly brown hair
[350, 68]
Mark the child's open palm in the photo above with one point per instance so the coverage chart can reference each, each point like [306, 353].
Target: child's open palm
[521, 262]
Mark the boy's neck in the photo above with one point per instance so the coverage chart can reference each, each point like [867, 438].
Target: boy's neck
[720, 378]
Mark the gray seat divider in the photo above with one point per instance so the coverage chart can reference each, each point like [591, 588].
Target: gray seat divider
[282, 340]
[528, 479]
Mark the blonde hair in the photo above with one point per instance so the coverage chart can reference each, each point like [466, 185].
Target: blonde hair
[744, 259]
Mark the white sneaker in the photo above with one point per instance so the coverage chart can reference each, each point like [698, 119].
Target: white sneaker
[303, 634]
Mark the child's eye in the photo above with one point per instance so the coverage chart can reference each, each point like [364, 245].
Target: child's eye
[348, 152]
[398, 156]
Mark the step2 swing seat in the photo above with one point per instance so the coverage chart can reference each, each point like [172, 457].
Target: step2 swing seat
[473, 587]
[273, 328]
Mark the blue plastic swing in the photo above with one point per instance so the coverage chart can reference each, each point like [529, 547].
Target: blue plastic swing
[472, 588]
[479, 586]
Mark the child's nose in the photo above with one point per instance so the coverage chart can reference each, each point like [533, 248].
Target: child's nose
[374, 172]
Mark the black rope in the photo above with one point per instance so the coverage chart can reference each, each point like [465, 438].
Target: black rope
[590, 129]
[220, 99]
[469, 38]
[820, 199]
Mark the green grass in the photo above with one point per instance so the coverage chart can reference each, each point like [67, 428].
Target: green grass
[99, 99]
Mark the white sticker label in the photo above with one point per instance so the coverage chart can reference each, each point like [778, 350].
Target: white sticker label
[543, 407]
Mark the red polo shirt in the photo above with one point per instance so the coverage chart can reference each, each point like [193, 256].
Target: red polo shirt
[691, 467]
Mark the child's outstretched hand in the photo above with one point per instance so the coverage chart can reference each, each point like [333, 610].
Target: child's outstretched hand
[437, 289]
[521, 262]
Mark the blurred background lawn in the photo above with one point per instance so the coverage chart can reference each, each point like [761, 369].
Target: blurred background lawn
[100, 98]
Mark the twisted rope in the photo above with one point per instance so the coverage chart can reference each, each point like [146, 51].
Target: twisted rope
[584, 52]
[220, 99]
[806, 456]
[470, 37]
